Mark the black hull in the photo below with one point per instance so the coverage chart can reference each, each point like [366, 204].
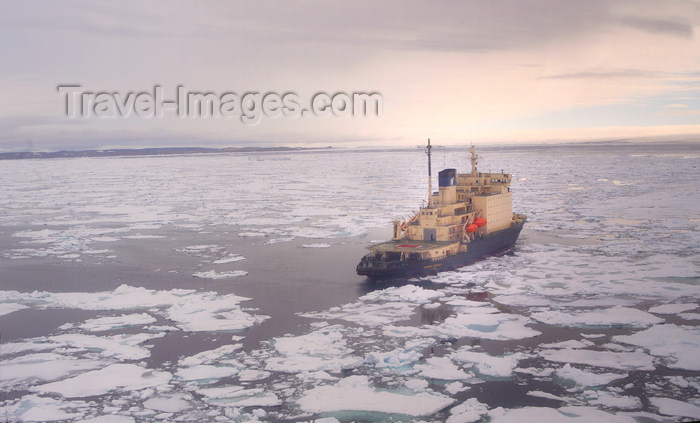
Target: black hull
[479, 249]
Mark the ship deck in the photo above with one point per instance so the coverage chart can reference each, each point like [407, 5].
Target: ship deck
[409, 245]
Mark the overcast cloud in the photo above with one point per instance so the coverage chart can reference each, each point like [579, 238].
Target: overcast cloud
[457, 71]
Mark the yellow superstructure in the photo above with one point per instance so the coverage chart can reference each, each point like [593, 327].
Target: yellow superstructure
[465, 207]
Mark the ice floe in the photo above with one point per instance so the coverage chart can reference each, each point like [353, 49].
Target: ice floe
[355, 393]
[120, 376]
[673, 407]
[441, 368]
[615, 316]
[7, 308]
[230, 259]
[189, 309]
[33, 408]
[469, 411]
[567, 414]
[238, 396]
[679, 345]
[116, 322]
[612, 400]
[222, 353]
[487, 365]
[493, 326]
[582, 378]
[169, 403]
[673, 308]
[205, 372]
[114, 418]
[323, 349]
[316, 245]
[213, 274]
[367, 314]
[21, 372]
[614, 360]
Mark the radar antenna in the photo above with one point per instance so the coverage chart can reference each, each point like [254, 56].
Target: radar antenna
[428, 149]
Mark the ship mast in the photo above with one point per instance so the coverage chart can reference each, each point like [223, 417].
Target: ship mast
[475, 159]
[430, 176]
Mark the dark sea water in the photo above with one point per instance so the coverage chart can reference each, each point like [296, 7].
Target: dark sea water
[223, 288]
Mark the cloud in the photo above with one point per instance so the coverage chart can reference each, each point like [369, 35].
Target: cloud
[603, 74]
[676, 27]
[449, 67]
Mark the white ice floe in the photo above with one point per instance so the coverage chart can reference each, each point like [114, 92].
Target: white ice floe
[7, 308]
[488, 365]
[441, 368]
[169, 403]
[679, 345]
[615, 316]
[189, 309]
[493, 326]
[31, 368]
[672, 407]
[567, 414]
[689, 316]
[211, 356]
[614, 360]
[230, 259]
[673, 308]
[583, 379]
[405, 293]
[407, 331]
[612, 400]
[455, 387]
[539, 373]
[238, 396]
[572, 344]
[415, 384]
[249, 375]
[469, 411]
[143, 236]
[593, 335]
[113, 418]
[116, 322]
[355, 393]
[123, 377]
[370, 314]
[317, 245]
[217, 314]
[213, 274]
[120, 347]
[33, 408]
[323, 349]
[398, 358]
[205, 372]
[547, 395]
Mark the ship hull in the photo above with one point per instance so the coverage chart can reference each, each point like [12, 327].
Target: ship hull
[479, 249]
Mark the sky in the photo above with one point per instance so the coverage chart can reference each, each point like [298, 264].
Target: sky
[458, 72]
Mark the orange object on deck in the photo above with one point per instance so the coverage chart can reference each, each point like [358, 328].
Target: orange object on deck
[479, 221]
[471, 227]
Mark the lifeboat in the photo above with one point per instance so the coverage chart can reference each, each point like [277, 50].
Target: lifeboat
[471, 227]
[479, 221]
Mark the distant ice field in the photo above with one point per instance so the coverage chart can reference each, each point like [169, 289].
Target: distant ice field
[222, 288]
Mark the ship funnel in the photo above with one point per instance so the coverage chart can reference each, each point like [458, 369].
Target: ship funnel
[447, 177]
[448, 186]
